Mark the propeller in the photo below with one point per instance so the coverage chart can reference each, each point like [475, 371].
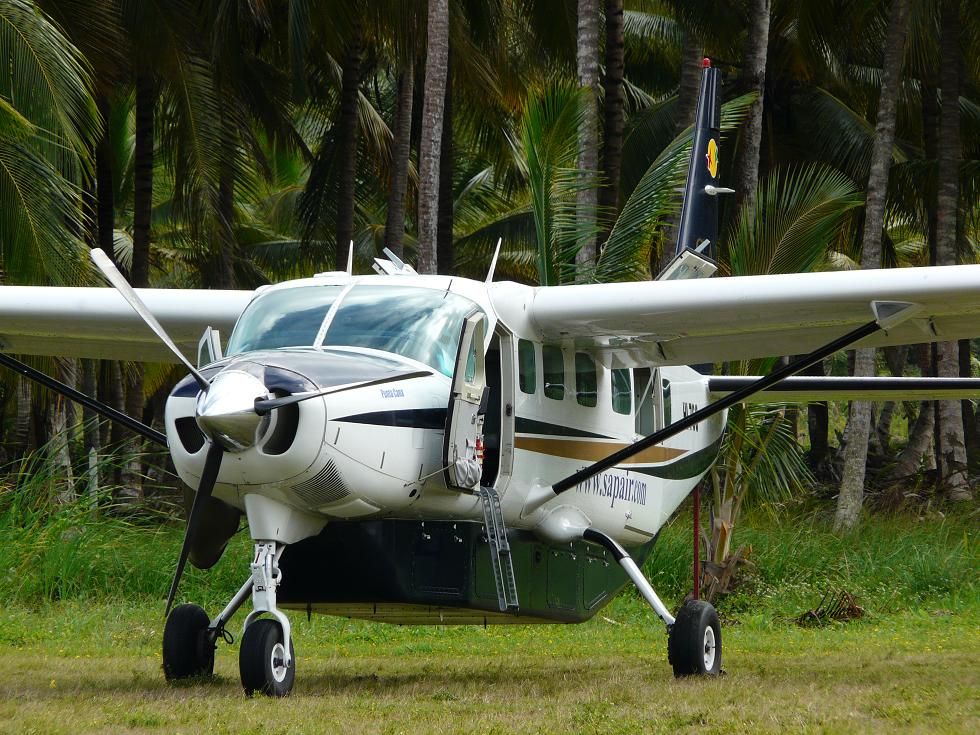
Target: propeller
[212, 464]
[265, 405]
[112, 274]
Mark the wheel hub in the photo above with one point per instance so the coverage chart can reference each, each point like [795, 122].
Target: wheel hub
[278, 662]
[709, 648]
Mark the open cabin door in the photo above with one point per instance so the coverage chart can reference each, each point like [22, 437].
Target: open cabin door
[463, 444]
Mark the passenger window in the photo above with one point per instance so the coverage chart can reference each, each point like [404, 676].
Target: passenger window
[554, 372]
[622, 391]
[643, 400]
[666, 399]
[527, 370]
[586, 382]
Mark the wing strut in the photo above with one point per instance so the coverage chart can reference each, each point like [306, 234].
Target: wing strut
[539, 496]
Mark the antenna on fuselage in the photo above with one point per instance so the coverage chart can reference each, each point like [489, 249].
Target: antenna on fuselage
[493, 261]
[350, 259]
[394, 266]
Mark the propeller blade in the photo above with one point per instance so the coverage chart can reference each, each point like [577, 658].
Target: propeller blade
[265, 405]
[212, 463]
[112, 274]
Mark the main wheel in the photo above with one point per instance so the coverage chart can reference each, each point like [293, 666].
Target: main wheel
[187, 651]
[262, 660]
[694, 643]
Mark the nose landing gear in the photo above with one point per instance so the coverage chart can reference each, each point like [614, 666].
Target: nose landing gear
[266, 657]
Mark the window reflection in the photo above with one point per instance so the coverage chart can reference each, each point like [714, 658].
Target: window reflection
[419, 323]
[285, 318]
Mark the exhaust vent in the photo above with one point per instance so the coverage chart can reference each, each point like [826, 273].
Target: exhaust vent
[324, 488]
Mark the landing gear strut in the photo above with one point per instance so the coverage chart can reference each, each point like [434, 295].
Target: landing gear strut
[693, 638]
[266, 658]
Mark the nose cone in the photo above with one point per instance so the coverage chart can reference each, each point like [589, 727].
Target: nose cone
[226, 412]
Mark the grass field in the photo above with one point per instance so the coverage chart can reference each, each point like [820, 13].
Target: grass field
[77, 668]
[80, 641]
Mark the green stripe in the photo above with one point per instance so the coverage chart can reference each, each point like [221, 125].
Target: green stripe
[690, 465]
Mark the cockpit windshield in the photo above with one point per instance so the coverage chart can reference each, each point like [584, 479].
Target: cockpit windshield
[289, 317]
[420, 323]
[423, 324]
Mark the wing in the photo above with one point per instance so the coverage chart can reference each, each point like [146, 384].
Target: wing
[97, 322]
[711, 320]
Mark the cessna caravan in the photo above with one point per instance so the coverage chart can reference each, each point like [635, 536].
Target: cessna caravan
[426, 449]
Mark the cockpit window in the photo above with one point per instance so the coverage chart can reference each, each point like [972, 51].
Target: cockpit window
[419, 323]
[285, 318]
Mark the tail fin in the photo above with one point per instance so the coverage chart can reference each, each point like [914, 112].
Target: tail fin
[699, 213]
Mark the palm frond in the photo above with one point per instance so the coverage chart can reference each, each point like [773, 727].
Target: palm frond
[797, 215]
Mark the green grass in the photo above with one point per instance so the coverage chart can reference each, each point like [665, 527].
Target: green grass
[70, 667]
[82, 622]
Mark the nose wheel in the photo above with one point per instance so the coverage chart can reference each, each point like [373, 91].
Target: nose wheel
[262, 660]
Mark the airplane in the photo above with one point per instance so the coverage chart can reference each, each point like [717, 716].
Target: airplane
[428, 449]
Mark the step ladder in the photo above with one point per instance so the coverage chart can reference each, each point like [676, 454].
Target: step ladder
[500, 560]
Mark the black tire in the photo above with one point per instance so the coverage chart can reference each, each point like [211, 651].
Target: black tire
[260, 660]
[187, 652]
[694, 643]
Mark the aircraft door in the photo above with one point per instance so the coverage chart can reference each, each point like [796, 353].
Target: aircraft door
[463, 443]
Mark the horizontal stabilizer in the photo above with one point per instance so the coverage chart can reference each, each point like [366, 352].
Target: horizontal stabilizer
[803, 389]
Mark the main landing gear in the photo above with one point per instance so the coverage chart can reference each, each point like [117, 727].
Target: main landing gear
[266, 658]
[693, 637]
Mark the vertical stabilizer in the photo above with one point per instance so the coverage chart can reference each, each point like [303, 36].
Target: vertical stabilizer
[699, 213]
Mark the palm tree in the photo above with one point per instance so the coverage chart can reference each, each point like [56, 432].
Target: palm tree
[851, 495]
[587, 61]
[430, 148]
[951, 452]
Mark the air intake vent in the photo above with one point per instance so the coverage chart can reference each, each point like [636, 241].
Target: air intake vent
[324, 488]
[190, 435]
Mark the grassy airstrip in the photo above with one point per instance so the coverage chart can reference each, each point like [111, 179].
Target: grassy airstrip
[80, 653]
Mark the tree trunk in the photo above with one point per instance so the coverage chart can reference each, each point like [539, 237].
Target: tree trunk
[401, 153]
[430, 146]
[90, 419]
[612, 139]
[445, 257]
[919, 443]
[753, 80]
[952, 458]
[587, 66]
[22, 422]
[692, 55]
[57, 448]
[969, 414]
[143, 179]
[818, 427]
[347, 148]
[140, 272]
[851, 495]
[688, 89]
[105, 193]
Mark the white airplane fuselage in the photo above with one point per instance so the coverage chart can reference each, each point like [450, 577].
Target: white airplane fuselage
[379, 451]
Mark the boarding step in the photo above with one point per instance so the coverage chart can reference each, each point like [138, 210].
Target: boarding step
[500, 560]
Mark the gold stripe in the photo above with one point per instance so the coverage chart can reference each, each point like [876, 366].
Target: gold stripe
[593, 451]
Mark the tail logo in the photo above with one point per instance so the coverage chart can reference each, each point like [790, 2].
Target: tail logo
[712, 157]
